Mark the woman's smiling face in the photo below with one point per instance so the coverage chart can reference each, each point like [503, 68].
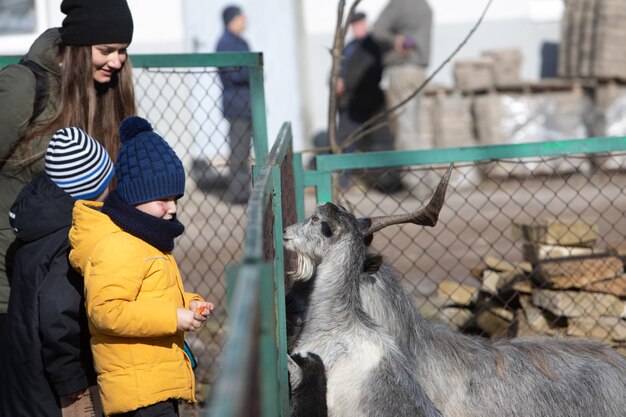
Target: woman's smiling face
[107, 59]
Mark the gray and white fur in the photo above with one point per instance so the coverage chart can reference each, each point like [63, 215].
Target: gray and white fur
[464, 376]
[367, 375]
[469, 376]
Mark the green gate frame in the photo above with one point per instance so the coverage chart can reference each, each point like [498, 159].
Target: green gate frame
[252, 60]
[321, 177]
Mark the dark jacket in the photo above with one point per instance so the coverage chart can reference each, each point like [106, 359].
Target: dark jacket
[235, 80]
[362, 71]
[17, 96]
[46, 351]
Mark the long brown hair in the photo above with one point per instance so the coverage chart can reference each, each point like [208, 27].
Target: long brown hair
[97, 110]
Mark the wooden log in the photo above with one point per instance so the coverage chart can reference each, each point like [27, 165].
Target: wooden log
[523, 286]
[455, 316]
[576, 232]
[494, 282]
[614, 286]
[534, 317]
[502, 265]
[578, 304]
[601, 328]
[566, 273]
[457, 293]
[535, 252]
[495, 321]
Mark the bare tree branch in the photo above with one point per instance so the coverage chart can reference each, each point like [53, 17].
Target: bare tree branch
[341, 29]
[380, 117]
[336, 54]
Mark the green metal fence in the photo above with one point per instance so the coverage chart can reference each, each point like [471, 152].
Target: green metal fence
[494, 190]
[253, 381]
[531, 240]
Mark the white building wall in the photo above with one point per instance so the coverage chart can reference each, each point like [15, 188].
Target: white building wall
[158, 26]
[295, 38]
[272, 29]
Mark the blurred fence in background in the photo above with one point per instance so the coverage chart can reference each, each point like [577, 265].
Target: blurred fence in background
[531, 239]
[182, 96]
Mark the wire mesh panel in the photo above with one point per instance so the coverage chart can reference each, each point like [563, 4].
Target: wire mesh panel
[523, 247]
[185, 105]
[242, 390]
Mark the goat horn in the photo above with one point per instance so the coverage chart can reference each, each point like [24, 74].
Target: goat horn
[427, 216]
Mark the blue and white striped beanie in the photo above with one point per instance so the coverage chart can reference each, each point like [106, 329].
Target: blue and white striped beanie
[78, 164]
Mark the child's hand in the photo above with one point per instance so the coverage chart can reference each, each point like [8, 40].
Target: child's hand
[187, 321]
[202, 309]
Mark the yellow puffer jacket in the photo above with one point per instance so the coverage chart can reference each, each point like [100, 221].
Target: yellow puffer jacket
[132, 290]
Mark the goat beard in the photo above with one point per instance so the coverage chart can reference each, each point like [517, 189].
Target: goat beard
[305, 269]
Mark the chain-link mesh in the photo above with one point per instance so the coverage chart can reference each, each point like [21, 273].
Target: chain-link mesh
[185, 107]
[523, 247]
[254, 379]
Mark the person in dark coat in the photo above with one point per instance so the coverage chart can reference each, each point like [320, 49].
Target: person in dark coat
[236, 105]
[361, 98]
[47, 363]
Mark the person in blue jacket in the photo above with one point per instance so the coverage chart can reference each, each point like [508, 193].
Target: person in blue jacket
[236, 106]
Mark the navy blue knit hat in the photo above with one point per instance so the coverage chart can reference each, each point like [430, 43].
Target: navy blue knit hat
[229, 13]
[147, 168]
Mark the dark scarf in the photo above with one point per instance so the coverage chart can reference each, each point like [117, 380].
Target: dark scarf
[158, 232]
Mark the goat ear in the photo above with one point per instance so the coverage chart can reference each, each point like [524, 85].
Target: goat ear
[372, 263]
[364, 224]
[326, 230]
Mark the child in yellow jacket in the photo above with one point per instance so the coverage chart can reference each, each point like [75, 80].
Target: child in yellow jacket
[137, 308]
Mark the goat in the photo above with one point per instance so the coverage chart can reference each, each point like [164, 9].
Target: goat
[367, 375]
[307, 382]
[468, 376]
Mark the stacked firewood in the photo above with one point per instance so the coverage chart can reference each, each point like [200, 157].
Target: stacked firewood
[565, 286]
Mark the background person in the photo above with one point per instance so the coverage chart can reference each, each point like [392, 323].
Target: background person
[236, 106]
[403, 31]
[360, 98]
[47, 364]
[77, 75]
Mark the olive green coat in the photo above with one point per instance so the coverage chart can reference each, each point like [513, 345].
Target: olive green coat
[20, 163]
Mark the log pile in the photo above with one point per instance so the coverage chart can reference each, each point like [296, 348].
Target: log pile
[565, 286]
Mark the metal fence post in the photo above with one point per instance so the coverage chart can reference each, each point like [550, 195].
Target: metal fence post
[257, 106]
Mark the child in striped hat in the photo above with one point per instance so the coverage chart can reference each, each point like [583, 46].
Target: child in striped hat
[46, 322]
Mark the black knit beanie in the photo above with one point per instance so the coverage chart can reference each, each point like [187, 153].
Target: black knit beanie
[229, 13]
[95, 22]
[147, 168]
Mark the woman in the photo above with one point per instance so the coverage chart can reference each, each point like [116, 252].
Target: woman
[77, 75]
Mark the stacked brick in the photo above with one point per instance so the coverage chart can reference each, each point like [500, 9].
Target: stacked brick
[593, 39]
